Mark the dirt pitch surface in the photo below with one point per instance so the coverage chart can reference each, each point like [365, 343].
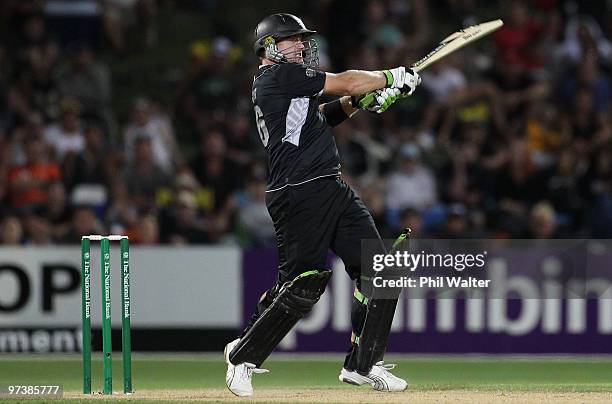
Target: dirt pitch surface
[358, 396]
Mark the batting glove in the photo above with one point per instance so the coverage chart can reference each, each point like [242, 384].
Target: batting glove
[384, 98]
[395, 77]
[377, 101]
[411, 81]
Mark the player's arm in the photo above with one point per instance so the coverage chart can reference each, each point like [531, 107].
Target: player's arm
[356, 82]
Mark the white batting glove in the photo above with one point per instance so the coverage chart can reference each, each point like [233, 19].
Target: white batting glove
[395, 77]
[411, 81]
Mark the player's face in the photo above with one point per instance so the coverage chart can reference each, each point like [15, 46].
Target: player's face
[292, 48]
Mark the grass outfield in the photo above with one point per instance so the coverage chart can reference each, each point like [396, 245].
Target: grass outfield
[313, 379]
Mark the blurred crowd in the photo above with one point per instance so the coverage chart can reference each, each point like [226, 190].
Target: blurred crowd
[508, 138]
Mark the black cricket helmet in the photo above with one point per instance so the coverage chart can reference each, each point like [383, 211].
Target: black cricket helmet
[282, 25]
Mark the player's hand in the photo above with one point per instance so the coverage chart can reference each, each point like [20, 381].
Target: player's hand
[384, 98]
[411, 81]
[395, 77]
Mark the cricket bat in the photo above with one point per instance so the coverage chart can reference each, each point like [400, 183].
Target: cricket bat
[448, 45]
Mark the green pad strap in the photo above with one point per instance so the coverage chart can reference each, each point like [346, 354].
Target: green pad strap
[402, 237]
[307, 273]
[361, 297]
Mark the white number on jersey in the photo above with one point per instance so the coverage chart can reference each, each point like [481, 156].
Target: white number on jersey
[261, 126]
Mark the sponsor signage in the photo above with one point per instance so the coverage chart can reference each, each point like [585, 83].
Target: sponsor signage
[171, 289]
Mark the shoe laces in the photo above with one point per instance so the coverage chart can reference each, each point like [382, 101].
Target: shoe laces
[385, 367]
[250, 369]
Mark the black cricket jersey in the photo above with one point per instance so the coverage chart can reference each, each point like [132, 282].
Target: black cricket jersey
[296, 136]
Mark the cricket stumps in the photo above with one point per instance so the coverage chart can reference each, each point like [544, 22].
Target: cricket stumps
[105, 284]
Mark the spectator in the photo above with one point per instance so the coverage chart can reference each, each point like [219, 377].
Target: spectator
[468, 175]
[241, 144]
[142, 176]
[583, 36]
[562, 189]
[456, 225]
[38, 229]
[373, 196]
[545, 134]
[382, 32]
[184, 180]
[144, 122]
[37, 86]
[122, 213]
[253, 218]
[588, 77]
[57, 211]
[34, 41]
[83, 223]
[93, 165]
[443, 80]
[28, 184]
[66, 136]
[88, 80]
[517, 40]
[11, 231]
[209, 84]
[517, 182]
[33, 127]
[123, 16]
[516, 88]
[542, 222]
[589, 129]
[217, 174]
[413, 184]
[184, 224]
[147, 230]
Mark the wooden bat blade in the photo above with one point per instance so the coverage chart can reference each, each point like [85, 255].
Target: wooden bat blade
[448, 45]
[479, 29]
[456, 41]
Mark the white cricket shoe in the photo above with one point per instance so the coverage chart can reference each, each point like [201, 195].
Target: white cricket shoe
[238, 377]
[379, 378]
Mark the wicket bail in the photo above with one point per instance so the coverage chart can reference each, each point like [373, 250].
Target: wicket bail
[105, 278]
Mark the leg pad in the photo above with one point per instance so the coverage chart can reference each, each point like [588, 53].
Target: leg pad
[294, 300]
[375, 334]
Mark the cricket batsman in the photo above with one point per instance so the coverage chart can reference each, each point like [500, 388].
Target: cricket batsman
[312, 208]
